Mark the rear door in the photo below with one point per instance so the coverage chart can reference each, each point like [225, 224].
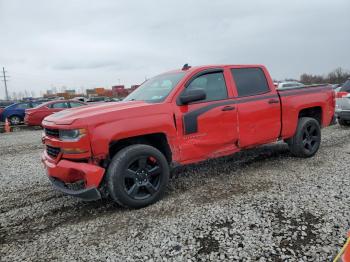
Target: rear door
[259, 115]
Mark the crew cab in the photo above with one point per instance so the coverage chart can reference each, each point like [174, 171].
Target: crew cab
[126, 150]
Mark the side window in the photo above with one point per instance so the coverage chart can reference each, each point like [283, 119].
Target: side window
[23, 106]
[59, 105]
[35, 104]
[75, 104]
[250, 81]
[213, 85]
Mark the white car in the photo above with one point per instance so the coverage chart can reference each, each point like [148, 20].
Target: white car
[342, 108]
[289, 84]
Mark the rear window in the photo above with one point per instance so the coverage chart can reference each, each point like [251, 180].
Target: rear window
[59, 105]
[345, 87]
[250, 81]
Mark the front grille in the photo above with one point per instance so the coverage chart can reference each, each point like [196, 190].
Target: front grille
[52, 132]
[53, 151]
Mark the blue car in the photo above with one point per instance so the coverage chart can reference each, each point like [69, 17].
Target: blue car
[15, 113]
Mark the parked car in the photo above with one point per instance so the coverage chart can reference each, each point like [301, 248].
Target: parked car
[80, 98]
[99, 99]
[289, 84]
[126, 150]
[342, 110]
[34, 116]
[336, 90]
[342, 107]
[344, 89]
[4, 104]
[15, 113]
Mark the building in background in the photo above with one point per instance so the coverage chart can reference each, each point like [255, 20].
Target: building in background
[117, 91]
[90, 92]
[70, 92]
[100, 91]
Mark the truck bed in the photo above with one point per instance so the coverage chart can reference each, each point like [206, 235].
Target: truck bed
[319, 98]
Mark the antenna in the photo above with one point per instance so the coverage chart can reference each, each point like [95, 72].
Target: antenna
[186, 67]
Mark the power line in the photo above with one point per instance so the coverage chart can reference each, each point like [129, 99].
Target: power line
[5, 81]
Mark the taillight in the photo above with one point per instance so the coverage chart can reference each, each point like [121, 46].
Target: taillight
[341, 94]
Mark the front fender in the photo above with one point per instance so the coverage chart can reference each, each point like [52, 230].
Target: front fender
[104, 134]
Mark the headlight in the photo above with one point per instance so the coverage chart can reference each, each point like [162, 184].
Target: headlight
[72, 134]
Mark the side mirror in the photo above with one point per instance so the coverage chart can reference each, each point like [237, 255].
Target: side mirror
[192, 95]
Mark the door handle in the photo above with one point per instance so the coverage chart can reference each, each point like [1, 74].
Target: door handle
[228, 108]
[273, 101]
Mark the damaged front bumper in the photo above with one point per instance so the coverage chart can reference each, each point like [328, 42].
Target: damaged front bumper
[64, 173]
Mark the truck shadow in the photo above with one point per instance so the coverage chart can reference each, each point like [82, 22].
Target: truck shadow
[229, 166]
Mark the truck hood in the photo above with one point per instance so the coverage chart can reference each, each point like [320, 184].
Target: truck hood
[92, 112]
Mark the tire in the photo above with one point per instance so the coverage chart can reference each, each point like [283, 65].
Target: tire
[15, 120]
[307, 138]
[137, 176]
[343, 122]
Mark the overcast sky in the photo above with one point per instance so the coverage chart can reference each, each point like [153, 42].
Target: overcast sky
[99, 43]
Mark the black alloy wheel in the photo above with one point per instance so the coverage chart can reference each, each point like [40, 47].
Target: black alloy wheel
[137, 176]
[307, 138]
[142, 177]
[311, 135]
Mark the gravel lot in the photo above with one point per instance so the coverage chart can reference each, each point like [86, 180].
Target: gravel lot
[261, 204]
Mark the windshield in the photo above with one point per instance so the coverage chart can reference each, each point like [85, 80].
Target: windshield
[156, 89]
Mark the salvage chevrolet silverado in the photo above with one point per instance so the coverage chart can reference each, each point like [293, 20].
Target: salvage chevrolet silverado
[125, 150]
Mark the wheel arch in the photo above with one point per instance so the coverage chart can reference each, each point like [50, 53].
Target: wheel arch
[13, 115]
[157, 140]
[313, 112]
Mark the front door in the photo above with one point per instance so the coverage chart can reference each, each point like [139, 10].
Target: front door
[209, 127]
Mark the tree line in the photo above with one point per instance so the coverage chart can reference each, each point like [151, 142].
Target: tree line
[337, 76]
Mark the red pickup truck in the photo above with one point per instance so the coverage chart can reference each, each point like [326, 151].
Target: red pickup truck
[125, 150]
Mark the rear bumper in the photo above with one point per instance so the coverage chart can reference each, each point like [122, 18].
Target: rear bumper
[30, 121]
[345, 115]
[64, 173]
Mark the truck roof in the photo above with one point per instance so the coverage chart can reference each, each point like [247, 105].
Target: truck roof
[195, 68]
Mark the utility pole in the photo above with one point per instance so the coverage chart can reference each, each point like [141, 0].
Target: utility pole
[5, 81]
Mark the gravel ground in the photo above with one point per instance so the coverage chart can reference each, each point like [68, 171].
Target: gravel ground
[258, 205]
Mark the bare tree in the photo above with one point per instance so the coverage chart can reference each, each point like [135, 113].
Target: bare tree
[337, 76]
